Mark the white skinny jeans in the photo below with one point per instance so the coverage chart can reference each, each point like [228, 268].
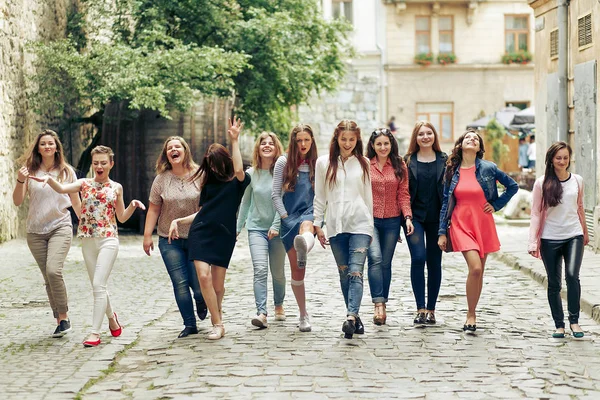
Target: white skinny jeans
[99, 255]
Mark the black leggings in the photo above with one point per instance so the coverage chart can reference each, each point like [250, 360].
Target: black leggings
[553, 252]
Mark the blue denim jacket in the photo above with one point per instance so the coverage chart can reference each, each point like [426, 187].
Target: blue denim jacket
[487, 173]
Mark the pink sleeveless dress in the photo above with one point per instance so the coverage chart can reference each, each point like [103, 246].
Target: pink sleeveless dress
[471, 228]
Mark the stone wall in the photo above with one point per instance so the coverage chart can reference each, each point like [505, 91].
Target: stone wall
[20, 21]
[356, 99]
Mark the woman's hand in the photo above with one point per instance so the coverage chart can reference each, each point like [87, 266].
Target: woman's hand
[410, 228]
[488, 208]
[137, 204]
[533, 253]
[173, 230]
[148, 245]
[23, 174]
[235, 128]
[321, 236]
[272, 233]
[442, 241]
[44, 180]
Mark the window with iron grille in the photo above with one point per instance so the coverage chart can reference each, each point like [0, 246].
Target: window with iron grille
[554, 43]
[585, 30]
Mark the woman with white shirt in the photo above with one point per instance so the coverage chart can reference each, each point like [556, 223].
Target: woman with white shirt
[558, 231]
[343, 190]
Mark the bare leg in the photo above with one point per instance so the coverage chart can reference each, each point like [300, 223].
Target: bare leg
[205, 278]
[474, 282]
[297, 282]
[218, 281]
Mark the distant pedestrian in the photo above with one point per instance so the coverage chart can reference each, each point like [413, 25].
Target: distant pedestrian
[392, 125]
[293, 193]
[211, 237]
[263, 224]
[101, 202]
[391, 204]
[49, 228]
[523, 150]
[173, 195]
[426, 165]
[558, 232]
[344, 201]
[531, 152]
[470, 198]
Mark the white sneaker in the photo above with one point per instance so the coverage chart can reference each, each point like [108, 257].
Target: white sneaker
[304, 324]
[301, 250]
[217, 332]
[260, 321]
[279, 316]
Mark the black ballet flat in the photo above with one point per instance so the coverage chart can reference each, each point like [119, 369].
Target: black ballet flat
[187, 331]
[360, 328]
[469, 328]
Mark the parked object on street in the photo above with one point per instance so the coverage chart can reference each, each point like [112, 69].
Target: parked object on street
[558, 232]
[49, 228]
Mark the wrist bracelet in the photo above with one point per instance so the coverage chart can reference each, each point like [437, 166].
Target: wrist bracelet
[20, 181]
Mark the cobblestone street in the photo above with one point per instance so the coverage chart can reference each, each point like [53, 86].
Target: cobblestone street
[511, 356]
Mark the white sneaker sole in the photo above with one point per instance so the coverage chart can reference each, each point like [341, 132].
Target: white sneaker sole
[301, 249]
[259, 323]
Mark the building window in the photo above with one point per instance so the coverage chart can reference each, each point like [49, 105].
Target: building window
[584, 27]
[342, 8]
[446, 30]
[521, 105]
[516, 30]
[554, 44]
[441, 115]
[423, 34]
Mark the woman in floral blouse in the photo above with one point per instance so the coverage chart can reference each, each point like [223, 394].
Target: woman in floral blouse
[101, 202]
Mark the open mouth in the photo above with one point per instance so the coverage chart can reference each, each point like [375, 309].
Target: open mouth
[175, 155]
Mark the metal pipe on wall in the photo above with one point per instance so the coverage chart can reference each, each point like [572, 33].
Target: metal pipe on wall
[563, 55]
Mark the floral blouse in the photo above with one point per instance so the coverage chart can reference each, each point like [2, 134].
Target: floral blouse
[98, 208]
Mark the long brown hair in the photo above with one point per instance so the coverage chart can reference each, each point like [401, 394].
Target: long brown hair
[413, 146]
[455, 158]
[256, 159]
[290, 174]
[334, 151]
[33, 159]
[163, 164]
[552, 190]
[397, 161]
[217, 164]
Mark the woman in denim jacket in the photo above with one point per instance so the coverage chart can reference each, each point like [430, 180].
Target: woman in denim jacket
[470, 198]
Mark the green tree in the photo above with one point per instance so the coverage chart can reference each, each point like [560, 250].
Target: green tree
[494, 133]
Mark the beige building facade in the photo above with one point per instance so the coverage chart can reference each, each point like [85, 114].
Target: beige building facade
[583, 53]
[478, 34]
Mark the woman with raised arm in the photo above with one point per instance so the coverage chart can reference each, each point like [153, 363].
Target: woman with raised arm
[470, 198]
[343, 196]
[174, 195]
[101, 202]
[293, 193]
[49, 228]
[211, 238]
[391, 204]
[263, 223]
[558, 232]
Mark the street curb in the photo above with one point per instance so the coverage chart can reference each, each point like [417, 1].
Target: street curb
[593, 310]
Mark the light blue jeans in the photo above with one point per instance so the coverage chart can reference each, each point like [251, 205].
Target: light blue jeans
[350, 253]
[267, 253]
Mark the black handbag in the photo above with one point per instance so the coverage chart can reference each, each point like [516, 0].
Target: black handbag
[448, 241]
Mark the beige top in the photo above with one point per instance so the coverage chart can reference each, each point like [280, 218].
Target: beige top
[177, 198]
[48, 210]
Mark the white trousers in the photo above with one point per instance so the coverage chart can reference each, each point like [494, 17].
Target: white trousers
[99, 255]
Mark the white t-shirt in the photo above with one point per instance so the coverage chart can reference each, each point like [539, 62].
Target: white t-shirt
[531, 152]
[562, 222]
[48, 210]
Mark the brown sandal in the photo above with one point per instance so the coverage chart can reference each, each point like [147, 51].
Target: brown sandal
[378, 315]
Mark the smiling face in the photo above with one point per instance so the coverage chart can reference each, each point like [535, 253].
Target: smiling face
[425, 137]
[382, 146]
[175, 152]
[102, 165]
[347, 142]
[266, 149]
[471, 142]
[47, 146]
[561, 161]
[303, 142]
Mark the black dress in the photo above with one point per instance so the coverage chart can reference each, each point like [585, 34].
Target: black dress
[212, 234]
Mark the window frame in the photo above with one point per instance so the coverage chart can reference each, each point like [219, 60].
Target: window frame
[554, 33]
[441, 114]
[420, 33]
[591, 32]
[451, 32]
[516, 32]
[343, 2]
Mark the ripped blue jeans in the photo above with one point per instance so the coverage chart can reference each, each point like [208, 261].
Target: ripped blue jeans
[350, 253]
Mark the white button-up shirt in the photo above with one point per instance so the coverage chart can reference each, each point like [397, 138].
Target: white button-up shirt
[349, 203]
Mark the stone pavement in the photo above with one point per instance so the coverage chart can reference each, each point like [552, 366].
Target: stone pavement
[511, 356]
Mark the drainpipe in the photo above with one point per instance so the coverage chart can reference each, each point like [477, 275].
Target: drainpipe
[563, 49]
[380, 36]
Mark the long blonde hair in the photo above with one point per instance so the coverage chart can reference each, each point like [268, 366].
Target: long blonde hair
[256, 159]
[33, 159]
[163, 164]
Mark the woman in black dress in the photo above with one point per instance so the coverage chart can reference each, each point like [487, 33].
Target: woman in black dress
[213, 231]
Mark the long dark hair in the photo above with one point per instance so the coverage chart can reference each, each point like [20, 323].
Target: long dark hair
[33, 159]
[217, 164]
[290, 173]
[552, 190]
[334, 151]
[455, 158]
[413, 146]
[397, 161]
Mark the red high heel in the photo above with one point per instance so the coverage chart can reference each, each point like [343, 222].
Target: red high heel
[91, 343]
[116, 332]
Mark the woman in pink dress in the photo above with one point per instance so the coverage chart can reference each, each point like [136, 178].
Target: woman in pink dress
[470, 198]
